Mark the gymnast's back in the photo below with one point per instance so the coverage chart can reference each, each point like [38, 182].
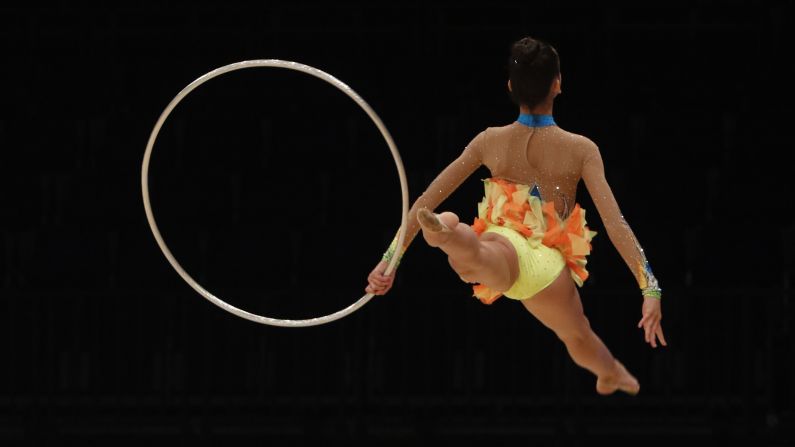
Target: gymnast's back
[548, 157]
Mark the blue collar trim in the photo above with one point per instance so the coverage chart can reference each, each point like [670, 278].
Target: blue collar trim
[536, 120]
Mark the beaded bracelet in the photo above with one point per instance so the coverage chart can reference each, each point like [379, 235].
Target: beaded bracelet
[390, 252]
[653, 291]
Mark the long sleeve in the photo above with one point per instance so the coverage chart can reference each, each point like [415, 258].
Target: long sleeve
[442, 186]
[617, 228]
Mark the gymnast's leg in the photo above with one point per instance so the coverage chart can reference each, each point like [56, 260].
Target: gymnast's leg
[489, 260]
[492, 261]
[559, 308]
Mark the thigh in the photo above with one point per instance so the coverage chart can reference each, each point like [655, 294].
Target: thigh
[502, 249]
[558, 307]
[496, 265]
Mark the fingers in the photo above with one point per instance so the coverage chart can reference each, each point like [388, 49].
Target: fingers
[380, 280]
[375, 290]
[644, 323]
[647, 317]
[661, 336]
[652, 332]
[377, 281]
[378, 289]
[648, 323]
[381, 284]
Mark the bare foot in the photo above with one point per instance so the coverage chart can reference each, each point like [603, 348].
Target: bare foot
[620, 380]
[436, 228]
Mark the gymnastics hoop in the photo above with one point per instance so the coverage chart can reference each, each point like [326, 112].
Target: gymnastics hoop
[171, 259]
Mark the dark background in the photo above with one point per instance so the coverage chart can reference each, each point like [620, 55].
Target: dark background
[276, 193]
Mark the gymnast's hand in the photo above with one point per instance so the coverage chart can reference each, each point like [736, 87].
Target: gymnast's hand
[380, 283]
[652, 314]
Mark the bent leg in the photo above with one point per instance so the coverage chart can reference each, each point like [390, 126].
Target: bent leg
[490, 260]
[559, 308]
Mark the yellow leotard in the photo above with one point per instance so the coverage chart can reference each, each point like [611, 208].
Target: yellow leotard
[545, 244]
[538, 267]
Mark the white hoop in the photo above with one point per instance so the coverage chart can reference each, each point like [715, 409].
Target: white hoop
[318, 74]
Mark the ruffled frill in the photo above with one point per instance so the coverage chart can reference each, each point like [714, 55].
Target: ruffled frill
[513, 205]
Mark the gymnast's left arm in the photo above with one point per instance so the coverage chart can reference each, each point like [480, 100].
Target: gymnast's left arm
[439, 189]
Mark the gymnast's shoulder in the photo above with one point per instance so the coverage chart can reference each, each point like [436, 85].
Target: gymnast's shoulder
[579, 143]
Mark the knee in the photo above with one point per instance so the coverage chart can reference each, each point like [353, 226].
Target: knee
[576, 336]
[573, 339]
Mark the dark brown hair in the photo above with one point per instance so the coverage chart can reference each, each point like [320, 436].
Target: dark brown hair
[532, 67]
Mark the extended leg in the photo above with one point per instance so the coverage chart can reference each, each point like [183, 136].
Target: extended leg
[490, 260]
[559, 308]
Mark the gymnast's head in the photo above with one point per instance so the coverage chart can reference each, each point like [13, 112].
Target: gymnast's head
[533, 73]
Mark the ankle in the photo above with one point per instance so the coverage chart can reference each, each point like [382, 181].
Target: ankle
[612, 373]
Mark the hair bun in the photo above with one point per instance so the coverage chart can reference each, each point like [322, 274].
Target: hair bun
[530, 53]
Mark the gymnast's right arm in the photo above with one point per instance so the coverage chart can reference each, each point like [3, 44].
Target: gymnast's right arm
[440, 188]
[624, 240]
[618, 229]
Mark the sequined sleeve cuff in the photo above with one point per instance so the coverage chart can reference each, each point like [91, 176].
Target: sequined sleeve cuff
[649, 286]
[390, 252]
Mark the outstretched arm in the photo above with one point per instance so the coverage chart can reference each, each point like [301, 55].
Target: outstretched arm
[440, 188]
[624, 240]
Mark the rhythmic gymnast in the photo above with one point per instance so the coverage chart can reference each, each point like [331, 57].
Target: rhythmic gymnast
[530, 239]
